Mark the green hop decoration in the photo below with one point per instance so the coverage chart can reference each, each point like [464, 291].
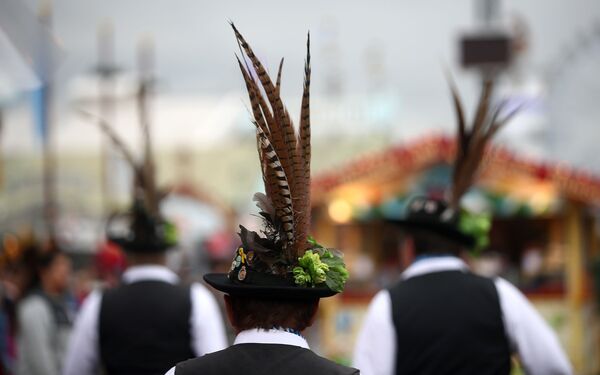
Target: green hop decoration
[337, 274]
[315, 245]
[301, 277]
[476, 225]
[320, 265]
[170, 233]
[311, 262]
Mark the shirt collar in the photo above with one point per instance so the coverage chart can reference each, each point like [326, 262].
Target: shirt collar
[149, 272]
[271, 336]
[435, 264]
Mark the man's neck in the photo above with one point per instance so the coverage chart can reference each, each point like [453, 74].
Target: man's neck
[146, 259]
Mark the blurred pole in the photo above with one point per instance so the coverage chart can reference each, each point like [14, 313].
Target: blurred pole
[575, 266]
[488, 11]
[488, 16]
[106, 86]
[45, 123]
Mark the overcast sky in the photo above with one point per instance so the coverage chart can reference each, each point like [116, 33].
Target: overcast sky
[398, 48]
[195, 45]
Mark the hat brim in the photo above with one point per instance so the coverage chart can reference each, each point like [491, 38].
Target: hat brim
[221, 282]
[446, 231]
[139, 247]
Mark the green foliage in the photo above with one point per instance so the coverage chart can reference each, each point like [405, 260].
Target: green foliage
[320, 265]
[170, 233]
[315, 245]
[301, 277]
[337, 274]
[477, 226]
[311, 263]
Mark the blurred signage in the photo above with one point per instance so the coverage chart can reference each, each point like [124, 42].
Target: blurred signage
[485, 50]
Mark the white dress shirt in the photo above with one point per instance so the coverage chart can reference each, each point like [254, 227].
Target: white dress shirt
[206, 324]
[261, 336]
[527, 332]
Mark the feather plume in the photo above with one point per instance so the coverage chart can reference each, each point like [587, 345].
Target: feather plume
[260, 122]
[278, 82]
[302, 164]
[284, 153]
[264, 203]
[471, 143]
[144, 186]
[282, 133]
[114, 139]
[147, 184]
[285, 212]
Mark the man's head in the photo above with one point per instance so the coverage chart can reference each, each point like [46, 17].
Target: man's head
[429, 242]
[434, 227]
[265, 313]
[135, 258]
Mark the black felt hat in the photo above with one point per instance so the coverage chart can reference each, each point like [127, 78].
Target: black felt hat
[437, 216]
[247, 277]
[282, 261]
[138, 231]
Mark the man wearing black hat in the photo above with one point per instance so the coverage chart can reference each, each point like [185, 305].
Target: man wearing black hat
[276, 279]
[146, 324]
[150, 321]
[440, 318]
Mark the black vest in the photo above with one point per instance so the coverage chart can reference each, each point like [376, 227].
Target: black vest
[449, 323]
[271, 359]
[144, 328]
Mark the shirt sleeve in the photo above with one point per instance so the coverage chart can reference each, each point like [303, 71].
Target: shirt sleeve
[529, 335]
[375, 350]
[82, 353]
[35, 323]
[208, 331]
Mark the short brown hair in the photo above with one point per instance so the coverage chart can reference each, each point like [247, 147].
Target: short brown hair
[426, 242]
[265, 313]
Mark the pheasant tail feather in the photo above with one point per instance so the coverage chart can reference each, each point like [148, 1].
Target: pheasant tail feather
[471, 143]
[304, 155]
[284, 153]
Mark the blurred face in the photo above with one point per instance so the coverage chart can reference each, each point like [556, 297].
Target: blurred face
[18, 278]
[56, 276]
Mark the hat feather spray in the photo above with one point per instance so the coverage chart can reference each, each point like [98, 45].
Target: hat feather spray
[471, 143]
[148, 230]
[284, 248]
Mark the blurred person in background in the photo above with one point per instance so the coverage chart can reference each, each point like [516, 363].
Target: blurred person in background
[110, 263]
[44, 315]
[150, 320]
[441, 318]
[145, 324]
[16, 276]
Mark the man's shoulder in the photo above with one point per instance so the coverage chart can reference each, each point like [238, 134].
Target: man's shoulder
[324, 365]
[257, 356]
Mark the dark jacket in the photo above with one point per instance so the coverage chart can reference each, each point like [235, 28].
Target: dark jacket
[269, 359]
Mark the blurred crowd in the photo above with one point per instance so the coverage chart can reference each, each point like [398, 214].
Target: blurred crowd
[41, 294]
[38, 305]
